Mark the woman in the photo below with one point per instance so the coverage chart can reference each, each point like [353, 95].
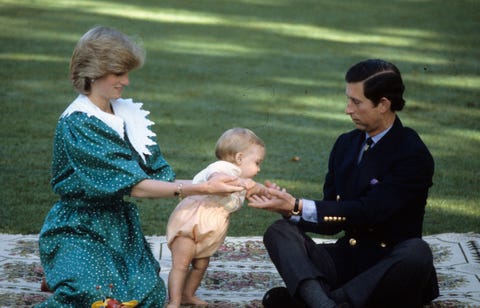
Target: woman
[103, 150]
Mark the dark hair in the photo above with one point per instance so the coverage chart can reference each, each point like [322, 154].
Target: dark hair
[381, 79]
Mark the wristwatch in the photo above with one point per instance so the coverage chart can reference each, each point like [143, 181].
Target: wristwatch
[296, 211]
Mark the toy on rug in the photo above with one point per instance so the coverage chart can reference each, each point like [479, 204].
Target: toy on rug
[111, 302]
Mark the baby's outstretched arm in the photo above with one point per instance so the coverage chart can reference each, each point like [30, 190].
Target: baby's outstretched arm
[259, 190]
[252, 187]
[247, 183]
[263, 190]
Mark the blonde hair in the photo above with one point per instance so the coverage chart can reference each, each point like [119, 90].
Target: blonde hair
[103, 51]
[235, 140]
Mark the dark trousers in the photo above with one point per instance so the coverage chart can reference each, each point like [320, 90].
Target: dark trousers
[370, 276]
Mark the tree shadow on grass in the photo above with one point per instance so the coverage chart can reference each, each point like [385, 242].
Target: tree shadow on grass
[274, 66]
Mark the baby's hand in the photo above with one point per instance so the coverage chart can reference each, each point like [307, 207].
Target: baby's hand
[258, 190]
[271, 185]
[247, 183]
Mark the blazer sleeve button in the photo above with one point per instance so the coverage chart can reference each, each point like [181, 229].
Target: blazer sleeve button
[352, 242]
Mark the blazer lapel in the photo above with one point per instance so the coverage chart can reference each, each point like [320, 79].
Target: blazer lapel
[352, 168]
[367, 169]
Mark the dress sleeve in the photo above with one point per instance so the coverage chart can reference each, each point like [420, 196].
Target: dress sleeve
[156, 165]
[92, 161]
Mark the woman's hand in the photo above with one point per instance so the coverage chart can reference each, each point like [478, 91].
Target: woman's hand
[222, 184]
[279, 201]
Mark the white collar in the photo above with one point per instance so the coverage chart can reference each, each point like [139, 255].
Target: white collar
[127, 114]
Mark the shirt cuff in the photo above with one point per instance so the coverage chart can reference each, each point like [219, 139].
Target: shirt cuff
[309, 211]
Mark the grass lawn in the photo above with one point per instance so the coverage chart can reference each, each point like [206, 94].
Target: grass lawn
[274, 66]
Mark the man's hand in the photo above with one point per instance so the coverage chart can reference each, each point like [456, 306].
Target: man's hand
[278, 201]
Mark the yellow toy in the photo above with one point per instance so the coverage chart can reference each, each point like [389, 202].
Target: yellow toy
[110, 302]
[113, 303]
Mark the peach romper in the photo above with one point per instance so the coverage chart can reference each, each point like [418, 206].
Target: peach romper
[205, 218]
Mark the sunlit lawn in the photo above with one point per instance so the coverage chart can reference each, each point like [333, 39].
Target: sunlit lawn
[271, 65]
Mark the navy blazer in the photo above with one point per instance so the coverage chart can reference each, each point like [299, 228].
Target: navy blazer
[383, 197]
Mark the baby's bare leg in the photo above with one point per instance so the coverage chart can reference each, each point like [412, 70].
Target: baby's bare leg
[193, 280]
[183, 249]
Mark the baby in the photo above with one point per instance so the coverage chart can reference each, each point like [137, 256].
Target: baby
[198, 225]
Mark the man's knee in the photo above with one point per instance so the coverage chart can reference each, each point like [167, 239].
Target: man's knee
[281, 235]
[275, 230]
[418, 251]
[416, 255]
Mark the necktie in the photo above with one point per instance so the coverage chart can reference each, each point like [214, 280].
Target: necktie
[368, 144]
[366, 147]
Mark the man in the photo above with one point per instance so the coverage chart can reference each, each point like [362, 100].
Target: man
[375, 191]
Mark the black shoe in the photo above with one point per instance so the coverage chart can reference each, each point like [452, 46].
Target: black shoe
[280, 298]
[340, 298]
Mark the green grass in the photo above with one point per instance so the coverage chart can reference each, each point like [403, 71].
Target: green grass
[274, 66]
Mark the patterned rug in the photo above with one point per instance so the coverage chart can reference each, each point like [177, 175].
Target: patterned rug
[241, 271]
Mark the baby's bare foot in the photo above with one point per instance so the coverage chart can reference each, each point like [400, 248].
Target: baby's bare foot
[193, 300]
[173, 304]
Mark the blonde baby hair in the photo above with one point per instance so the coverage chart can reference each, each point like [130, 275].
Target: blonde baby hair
[235, 140]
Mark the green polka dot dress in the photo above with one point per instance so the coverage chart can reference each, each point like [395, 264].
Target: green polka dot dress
[91, 237]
